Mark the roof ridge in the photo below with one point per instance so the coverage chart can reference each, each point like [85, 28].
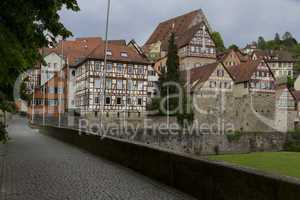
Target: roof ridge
[183, 15]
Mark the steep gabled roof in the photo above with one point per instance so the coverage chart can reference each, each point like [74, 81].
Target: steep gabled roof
[244, 71]
[186, 37]
[116, 50]
[119, 42]
[74, 50]
[133, 44]
[242, 57]
[178, 25]
[200, 74]
[275, 55]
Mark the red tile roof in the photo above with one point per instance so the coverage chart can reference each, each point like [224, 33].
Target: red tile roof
[178, 25]
[119, 42]
[116, 49]
[200, 74]
[186, 37]
[244, 71]
[78, 50]
[242, 57]
[75, 50]
[275, 55]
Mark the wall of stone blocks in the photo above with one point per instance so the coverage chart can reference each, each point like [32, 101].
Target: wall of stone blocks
[201, 178]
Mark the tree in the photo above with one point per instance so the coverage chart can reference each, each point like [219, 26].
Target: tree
[277, 39]
[185, 117]
[23, 28]
[290, 82]
[287, 35]
[233, 47]
[172, 74]
[261, 43]
[296, 52]
[5, 106]
[218, 40]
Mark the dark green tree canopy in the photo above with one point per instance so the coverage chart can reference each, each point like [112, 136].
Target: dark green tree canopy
[23, 28]
[172, 61]
[233, 47]
[277, 38]
[219, 42]
[286, 42]
[261, 43]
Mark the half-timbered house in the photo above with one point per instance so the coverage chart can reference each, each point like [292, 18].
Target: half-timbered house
[119, 87]
[193, 39]
[281, 62]
[233, 58]
[209, 86]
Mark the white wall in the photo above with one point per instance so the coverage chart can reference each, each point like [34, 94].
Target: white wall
[71, 88]
[154, 80]
[53, 62]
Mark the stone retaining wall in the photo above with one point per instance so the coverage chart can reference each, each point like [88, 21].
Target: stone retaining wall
[201, 178]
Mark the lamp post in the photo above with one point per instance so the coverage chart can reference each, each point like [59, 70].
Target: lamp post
[60, 85]
[105, 61]
[33, 96]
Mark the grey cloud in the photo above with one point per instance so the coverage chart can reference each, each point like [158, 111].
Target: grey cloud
[239, 21]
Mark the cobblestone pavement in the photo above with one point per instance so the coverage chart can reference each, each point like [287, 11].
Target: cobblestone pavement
[37, 167]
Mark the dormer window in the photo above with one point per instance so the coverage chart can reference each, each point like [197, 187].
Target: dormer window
[109, 53]
[124, 54]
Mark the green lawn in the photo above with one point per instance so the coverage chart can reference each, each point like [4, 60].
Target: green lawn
[283, 163]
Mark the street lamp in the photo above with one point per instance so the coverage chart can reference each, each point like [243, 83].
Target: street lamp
[60, 85]
[105, 61]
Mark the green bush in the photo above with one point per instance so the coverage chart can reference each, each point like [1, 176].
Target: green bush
[293, 141]
[3, 133]
[234, 137]
[217, 150]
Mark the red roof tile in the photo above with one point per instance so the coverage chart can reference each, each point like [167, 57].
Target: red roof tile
[116, 49]
[275, 55]
[178, 25]
[75, 50]
[244, 71]
[200, 74]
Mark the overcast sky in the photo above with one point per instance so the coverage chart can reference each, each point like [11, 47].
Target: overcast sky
[239, 21]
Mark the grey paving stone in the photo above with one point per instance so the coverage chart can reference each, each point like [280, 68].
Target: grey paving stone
[37, 167]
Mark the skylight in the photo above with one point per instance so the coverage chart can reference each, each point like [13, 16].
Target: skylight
[109, 53]
[124, 54]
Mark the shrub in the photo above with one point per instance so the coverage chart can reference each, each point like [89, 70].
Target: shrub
[154, 106]
[234, 137]
[3, 133]
[293, 141]
[217, 150]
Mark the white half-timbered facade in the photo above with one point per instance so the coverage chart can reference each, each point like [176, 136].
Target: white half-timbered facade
[254, 77]
[197, 42]
[117, 88]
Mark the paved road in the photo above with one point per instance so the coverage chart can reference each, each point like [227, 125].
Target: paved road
[37, 167]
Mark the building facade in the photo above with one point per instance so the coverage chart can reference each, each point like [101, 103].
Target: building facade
[210, 85]
[50, 99]
[239, 98]
[281, 62]
[118, 89]
[233, 58]
[192, 36]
